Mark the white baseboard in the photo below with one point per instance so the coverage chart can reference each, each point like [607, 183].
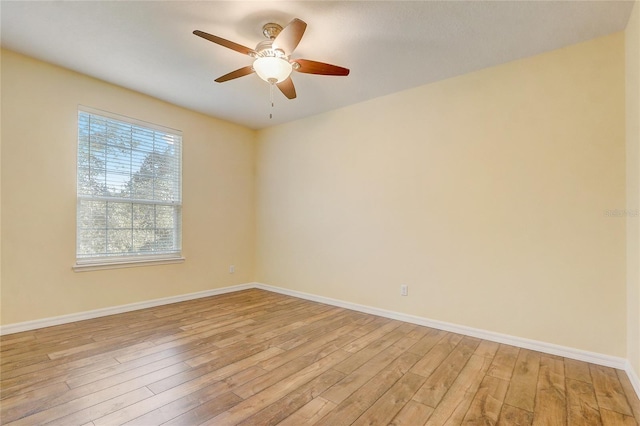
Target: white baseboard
[550, 348]
[80, 316]
[633, 377]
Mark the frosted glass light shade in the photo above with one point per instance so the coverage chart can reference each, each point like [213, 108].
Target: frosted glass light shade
[271, 69]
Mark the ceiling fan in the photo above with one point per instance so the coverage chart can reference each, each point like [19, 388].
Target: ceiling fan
[273, 61]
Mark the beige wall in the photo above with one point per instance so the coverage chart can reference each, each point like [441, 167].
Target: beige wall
[485, 193]
[39, 119]
[632, 45]
[0, 191]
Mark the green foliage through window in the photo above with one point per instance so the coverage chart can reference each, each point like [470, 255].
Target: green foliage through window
[129, 188]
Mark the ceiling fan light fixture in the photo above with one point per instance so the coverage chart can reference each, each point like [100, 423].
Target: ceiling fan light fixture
[272, 69]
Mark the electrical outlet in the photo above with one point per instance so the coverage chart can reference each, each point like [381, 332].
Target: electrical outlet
[404, 290]
[232, 269]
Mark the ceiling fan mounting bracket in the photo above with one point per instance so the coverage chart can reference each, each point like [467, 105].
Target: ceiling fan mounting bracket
[271, 30]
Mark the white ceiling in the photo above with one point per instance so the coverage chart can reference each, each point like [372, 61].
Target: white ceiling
[148, 46]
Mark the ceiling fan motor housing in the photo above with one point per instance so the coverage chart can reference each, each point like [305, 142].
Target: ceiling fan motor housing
[265, 49]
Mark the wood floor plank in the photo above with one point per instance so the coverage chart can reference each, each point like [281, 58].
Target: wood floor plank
[365, 340]
[413, 413]
[343, 324]
[456, 402]
[261, 400]
[427, 342]
[185, 352]
[487, 403]
[366, 353]
[112, 380]
[267, 328]
[487, 349]
[290, 403]
[358, 402]
[514, 416]
[83, 397]
[392, 401]
[37, 351]
[34, 395]
[577, 370]
[551, 399]
[439, 382]
[356, 379]
[54, 371]
[121, 372]
[336, 335]
[436, 355]
[177, 406]
[523, 386]
[613, 418]
[504, 362]
[319, 327]
[91, 346]
[405, 342]
[609, 391]
[216, 355]
[34, 400]
[369, 327]
[582, 404]
[20, 362]
[219, 372]
[206, 410]
[274, 376]
[103, 408]
[32, 382]
[310, 413]
[419, 332]
[63, 366]
[7, 340]
[630, 393]
[255, 357]
[170, 395]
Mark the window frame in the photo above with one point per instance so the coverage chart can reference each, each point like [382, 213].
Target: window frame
[98, 262]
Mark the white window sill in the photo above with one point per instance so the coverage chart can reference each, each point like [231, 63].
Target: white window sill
[129, 263]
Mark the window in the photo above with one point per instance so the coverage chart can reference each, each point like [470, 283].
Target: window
[129, 192]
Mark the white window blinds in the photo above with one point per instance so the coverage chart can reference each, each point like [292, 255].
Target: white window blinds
[129, 189]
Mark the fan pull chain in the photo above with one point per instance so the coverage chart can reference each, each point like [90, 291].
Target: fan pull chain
[271, 100]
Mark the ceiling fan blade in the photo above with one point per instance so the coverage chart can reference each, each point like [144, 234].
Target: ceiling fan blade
[290, 36]
[313, 67]
[226, 43]
[235, 74]
[287, 88]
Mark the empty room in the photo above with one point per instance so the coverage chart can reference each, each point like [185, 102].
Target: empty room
[320, 213]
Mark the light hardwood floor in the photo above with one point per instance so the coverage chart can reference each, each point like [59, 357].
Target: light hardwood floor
[257, 358]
